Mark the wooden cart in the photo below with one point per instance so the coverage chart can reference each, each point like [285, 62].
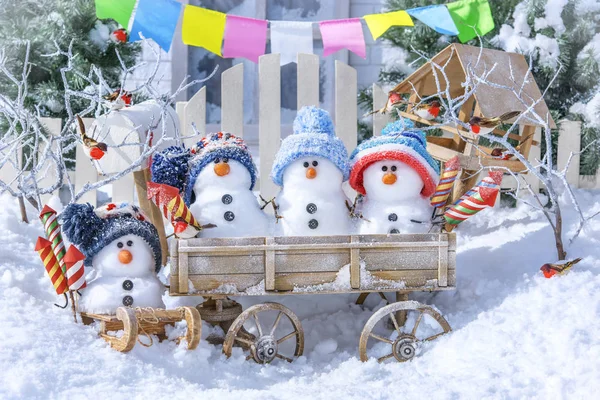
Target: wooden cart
[402, 263]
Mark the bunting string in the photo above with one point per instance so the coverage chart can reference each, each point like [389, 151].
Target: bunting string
[231, 36]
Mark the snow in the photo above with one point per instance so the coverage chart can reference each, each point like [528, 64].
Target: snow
[552, 16]
[515, 334]
[589, 110]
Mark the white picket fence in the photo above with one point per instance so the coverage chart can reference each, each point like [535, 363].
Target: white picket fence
[264, 138]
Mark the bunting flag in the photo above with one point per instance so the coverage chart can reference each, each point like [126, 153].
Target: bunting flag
[156, 19]
[435, 17]
[285, 32]
[471, 17]
[203, 28]
[120, 10]
[379, 23]
[343, 34]
[245, 37]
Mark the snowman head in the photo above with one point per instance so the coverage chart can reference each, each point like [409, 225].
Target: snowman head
[103, 236]
[391, 181]
[400, 147]
[220, 159]
[128, 255]
[313, 174]
[313, 141]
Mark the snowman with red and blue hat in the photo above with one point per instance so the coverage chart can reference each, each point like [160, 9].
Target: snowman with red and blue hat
[397, 176]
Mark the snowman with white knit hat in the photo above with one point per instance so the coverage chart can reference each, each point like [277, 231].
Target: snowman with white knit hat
[397, 176]
[216, 178]
[123, 249]
[311, 166]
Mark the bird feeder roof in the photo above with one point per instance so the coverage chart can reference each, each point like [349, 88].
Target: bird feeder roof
[491, 101]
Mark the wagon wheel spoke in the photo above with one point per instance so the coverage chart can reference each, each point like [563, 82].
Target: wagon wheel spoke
[382, 295]
[286, 337]
[419, 318]
[381, 338]
[382, 359]
[243, 340]
[430, 338]
[257, 322]
[395, 322]
[276, 322]
[249, 357]
[283, 357]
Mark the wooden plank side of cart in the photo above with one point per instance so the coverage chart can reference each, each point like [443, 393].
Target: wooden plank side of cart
[313, 265]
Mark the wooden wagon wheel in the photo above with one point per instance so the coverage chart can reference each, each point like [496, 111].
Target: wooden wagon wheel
[194, 327]
[404, 347]
[264, 348]
[130, 331]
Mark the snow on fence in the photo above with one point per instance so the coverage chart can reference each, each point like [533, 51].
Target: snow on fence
[268, 134]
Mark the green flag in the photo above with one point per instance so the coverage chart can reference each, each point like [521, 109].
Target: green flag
[469, 14]
[119, 10]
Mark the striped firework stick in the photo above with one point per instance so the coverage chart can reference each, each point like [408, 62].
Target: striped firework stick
[172, 206]
[483, 198]
[75, 270]
[52, 228]
[443, 189]
[492, 181]
[44, 248]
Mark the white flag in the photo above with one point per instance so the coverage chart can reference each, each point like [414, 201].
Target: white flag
[288, 38]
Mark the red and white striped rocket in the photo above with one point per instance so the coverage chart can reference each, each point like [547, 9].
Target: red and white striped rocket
[75, 271]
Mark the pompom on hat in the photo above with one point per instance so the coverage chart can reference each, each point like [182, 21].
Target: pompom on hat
[398, 141]
[180, 168]
[92, 230]
[313, 136]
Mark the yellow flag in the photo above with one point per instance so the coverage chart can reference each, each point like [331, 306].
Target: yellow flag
[379, 23]
[203, 28]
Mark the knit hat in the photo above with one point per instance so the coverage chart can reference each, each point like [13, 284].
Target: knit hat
[179, 167]
[398, 141]
[92, 230]
[313, 136]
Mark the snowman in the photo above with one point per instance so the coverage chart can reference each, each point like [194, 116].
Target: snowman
[397, 176]
[123, 249]
[216, 178]
[311, 166]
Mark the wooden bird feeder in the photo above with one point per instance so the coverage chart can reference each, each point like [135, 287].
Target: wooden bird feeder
[487, 101]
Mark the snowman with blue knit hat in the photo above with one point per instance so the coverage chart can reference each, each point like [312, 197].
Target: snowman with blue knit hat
[216, 178]
[311, 166]
[123, 250]
[397, 176]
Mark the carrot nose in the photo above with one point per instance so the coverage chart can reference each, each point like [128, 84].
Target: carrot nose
[389, 179]
[311, 173]
[221, 169]
[125, 256]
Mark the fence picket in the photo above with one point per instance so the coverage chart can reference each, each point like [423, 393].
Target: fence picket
[269, 123]
[346, 112]
[123, 189]
[85, 170]
[308, 80]
[569, 142]
[194, 112]
[54, 125]
[379, 100]
[232, 100]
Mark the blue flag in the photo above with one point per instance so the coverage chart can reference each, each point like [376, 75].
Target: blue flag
[156, 19]
[437, 17]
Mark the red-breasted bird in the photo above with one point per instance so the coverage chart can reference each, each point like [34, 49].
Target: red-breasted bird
[549, 270]
[119, 36]
[119, 99]
[92, 148]
[482, 125]
[428, 110]
[501, 154]
[394, 99]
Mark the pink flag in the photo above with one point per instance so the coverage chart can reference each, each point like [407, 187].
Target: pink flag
[342, 34]
[245, 37]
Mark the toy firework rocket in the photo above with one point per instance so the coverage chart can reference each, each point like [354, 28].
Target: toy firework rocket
[44, 248]
[171, 204]
[75, 271]
[52, 228]
[443, 189]
[483, 195]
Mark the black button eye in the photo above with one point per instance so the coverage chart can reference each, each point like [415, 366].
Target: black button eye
[129, 243]
[384, 168]
[306, 164]
[217, 160]
[120, 245]
[394, 168]
[315, 163]
[225, 160]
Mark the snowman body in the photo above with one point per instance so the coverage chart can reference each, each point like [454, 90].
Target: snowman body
[124, 276]
[225, 200]
[312, 202]
[393, 201]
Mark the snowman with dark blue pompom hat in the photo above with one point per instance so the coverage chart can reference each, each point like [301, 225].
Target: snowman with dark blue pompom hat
[123, 250]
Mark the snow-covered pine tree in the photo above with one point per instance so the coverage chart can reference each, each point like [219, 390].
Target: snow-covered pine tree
[553, 31]
[42, 22]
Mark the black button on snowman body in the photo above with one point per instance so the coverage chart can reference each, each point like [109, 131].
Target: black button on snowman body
[127, 284]
[127, 301]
